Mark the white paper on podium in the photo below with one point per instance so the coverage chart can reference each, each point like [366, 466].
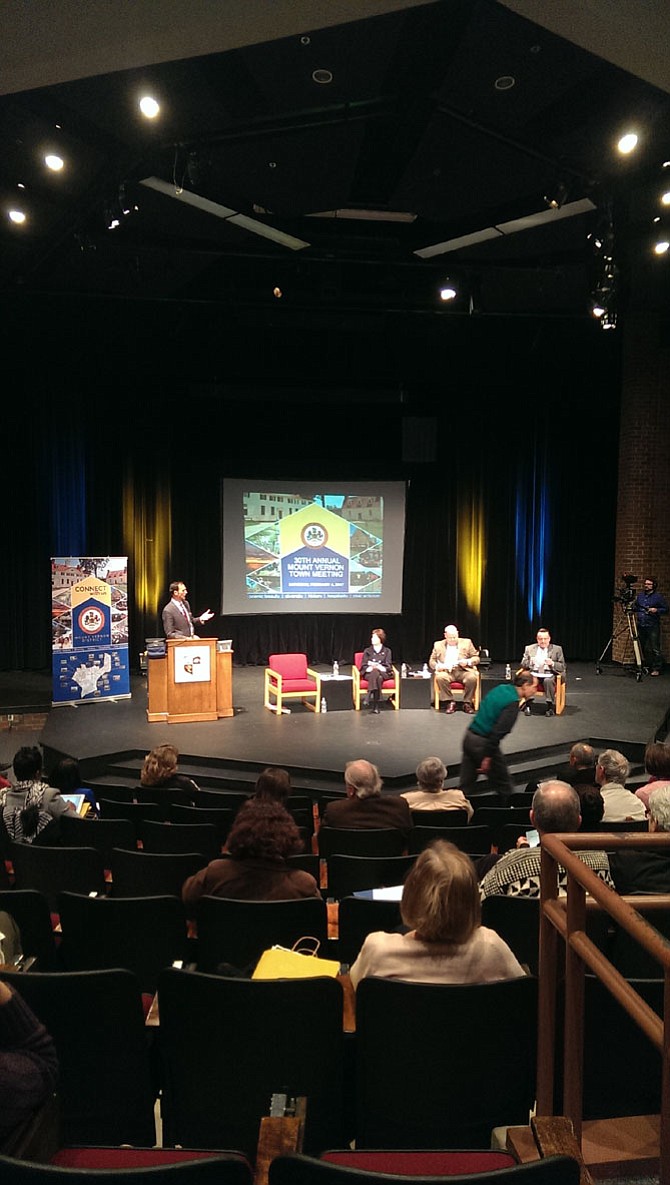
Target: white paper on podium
[191, 664]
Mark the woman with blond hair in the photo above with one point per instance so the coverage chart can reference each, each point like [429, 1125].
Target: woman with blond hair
[446, 942]
[159, 772]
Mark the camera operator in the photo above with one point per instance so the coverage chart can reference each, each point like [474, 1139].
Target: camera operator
[649, 607]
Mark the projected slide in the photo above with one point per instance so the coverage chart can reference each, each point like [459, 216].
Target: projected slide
[316, 547]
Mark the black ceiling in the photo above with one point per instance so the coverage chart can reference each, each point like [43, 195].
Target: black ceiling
[412, 122]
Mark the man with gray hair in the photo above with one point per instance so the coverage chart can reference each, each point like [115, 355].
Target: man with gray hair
[364, 806]
[645, 871]
[621, 805]
[517, 872]
[429, 793]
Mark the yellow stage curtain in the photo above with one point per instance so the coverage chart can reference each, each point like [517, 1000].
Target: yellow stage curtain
[470, 551]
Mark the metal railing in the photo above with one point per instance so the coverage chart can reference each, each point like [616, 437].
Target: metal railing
[566, 918]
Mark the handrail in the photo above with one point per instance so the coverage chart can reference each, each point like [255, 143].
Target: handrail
[566, 917]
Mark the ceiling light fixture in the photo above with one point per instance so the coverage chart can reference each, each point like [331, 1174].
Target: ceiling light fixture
[627, 143]
[582, 206]
[187, 198]
[149, 107]
[322, 77]
[17, 217]
[597, 309]
[661, 247]
[54, 162]
[448, 290]
[665, 198]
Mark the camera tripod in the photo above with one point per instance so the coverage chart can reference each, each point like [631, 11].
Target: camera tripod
[629, 626]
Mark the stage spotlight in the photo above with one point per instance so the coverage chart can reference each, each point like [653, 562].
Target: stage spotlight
[627, 143]
[608, 321]
[448, 290]
[597, 309]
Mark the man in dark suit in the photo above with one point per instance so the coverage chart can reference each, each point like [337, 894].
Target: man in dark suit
[177, 617]
[546, 661]
[365, 807]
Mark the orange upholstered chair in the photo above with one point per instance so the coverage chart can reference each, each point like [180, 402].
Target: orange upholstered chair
[289, 677]
[390, 687]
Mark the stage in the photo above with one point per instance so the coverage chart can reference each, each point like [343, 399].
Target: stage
[611, 709]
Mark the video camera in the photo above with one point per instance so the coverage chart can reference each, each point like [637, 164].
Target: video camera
[625, 594]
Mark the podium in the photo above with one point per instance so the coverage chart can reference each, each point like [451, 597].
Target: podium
[192, 681]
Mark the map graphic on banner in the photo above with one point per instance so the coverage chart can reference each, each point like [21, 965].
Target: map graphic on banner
[89, 628]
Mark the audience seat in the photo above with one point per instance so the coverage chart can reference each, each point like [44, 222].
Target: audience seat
[441, 1065]
[229, 1044]
[354, 841]
[238, 932]
[152, 874]
[97, 1024]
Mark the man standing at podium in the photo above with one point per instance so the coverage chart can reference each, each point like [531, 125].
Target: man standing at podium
[177, 617]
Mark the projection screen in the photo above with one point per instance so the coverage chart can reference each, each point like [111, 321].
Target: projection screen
[303, 547]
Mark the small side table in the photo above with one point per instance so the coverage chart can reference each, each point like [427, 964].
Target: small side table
[337, 690]
[416, 692]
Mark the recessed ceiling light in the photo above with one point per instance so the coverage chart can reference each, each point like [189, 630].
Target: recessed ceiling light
[20, 185]
[665, 198]
[505, 82]
[627, 143]
[149, 107]
[323, 77]
[54, 162]
[661, 247]
[17, 216]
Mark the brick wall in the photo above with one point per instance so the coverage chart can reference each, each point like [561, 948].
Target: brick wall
[643, 509]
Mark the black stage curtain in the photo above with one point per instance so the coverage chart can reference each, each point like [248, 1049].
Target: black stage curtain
[508, 404]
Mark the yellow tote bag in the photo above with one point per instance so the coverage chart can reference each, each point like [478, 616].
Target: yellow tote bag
[281, 963]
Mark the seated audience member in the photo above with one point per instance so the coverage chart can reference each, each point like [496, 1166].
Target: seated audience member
[646, 871]
[580, 770]
[446, 942]
[582, 765]
[517, 872]
[657, 765]
[621, 805]
[429, 794]
[31, 808]
[592, 808]
[272, 785]
[364, 806]
[10, 939]
[262, 837]
[159, 772]
[65, 776]
[28, 1062]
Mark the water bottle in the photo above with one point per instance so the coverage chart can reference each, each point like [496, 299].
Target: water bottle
[425, 672]
[403, 671]
[508, 672]
[336, 670]
[324, 705]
